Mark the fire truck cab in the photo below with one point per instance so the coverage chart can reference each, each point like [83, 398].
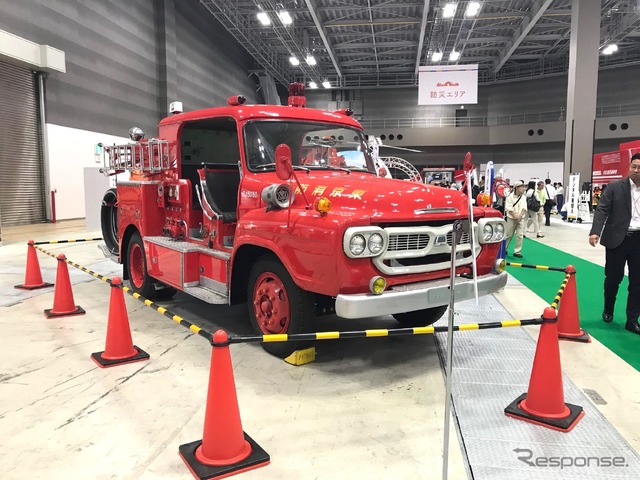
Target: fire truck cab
[280, 207]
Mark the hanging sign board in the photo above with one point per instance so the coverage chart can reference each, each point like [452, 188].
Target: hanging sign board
[448, 85]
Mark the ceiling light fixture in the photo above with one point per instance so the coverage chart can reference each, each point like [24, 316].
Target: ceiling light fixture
[313, 85]
[436, 57]
[454, 56]
[264, 18]
[449, 10]
[473, 8]
[311, 60]
[609, 49]
[293, 60]
[326, 84]
[285, 17]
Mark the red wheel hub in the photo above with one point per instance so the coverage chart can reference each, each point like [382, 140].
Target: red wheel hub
[136, 265]
[271, 304]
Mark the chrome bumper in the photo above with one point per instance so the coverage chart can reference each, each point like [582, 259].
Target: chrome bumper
[415, 296]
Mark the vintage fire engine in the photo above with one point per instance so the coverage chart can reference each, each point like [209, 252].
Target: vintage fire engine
[280, 207]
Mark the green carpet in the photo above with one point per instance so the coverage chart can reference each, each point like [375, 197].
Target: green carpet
[589, 283]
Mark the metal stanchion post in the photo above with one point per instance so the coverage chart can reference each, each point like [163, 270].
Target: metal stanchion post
[459, 226]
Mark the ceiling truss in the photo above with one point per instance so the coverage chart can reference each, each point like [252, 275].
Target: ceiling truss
[382, 43]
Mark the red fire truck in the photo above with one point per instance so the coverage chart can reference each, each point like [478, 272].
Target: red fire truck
[280, 207]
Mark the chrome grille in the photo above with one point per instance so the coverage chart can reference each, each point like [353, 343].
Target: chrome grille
[422, 248]
[463, 240]
[410, 241]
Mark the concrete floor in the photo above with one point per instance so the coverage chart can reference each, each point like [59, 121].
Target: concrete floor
[367, 408]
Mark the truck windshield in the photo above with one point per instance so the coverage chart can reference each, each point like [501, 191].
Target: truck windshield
[313, 146]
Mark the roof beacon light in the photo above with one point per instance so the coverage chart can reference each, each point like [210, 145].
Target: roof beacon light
[175, 108]
[344, 111]
[236, 100]
[296, 95]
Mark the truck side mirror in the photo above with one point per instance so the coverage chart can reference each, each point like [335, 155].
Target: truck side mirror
[284, 169]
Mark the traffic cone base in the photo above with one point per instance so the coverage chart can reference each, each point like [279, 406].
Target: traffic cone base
[49, 313]
[33, 287]
[564, 424]
[583, 336]
[258, 458]
[139, 356]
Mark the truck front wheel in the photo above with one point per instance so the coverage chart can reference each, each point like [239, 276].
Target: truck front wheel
[139, 278]
[420, 318]
[277, 305]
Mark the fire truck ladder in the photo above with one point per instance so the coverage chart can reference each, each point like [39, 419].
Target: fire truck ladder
[151, 156]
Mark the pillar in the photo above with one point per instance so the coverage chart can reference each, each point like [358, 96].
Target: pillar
[167, 56]
[582, 89]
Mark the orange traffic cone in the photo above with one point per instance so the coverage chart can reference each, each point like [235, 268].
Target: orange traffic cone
[224, 449]
[543, 404]
[568, 314]
[33, 277]
[63, 304]
[119, 347]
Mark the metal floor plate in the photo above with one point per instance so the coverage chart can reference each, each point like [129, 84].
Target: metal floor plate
[491, 368]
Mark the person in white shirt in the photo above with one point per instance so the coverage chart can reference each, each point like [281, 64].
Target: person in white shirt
[535, 216]
[515, 210]
[550, 193]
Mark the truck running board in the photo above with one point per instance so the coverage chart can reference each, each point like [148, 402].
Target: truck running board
[107, 253]
[207, 295]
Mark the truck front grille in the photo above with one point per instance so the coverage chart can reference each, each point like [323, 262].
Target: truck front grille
[424, 248]
[408, 241]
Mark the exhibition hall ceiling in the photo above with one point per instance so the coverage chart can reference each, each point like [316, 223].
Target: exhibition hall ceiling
[381, 43]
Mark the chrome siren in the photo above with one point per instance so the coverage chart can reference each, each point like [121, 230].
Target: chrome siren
[278, 195]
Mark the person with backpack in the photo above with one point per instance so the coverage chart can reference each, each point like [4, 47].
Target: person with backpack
[534, 210]
[515, 209]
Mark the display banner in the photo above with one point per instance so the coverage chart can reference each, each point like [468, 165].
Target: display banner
[573, 196]
[448, 85]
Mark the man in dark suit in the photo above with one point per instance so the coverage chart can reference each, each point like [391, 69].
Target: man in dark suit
[616, 224]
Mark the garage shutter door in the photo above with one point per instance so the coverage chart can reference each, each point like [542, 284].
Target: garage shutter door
[22, 198]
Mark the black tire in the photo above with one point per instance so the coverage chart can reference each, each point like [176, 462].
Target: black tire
[420, 318]
[109, 220]
[277, 305]
[139, 278]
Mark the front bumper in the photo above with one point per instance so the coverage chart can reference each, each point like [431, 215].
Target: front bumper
[415, 296]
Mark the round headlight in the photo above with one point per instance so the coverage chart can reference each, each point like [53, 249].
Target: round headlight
[487, 232]
[376, 243]
[357, 245]
[499, 231]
